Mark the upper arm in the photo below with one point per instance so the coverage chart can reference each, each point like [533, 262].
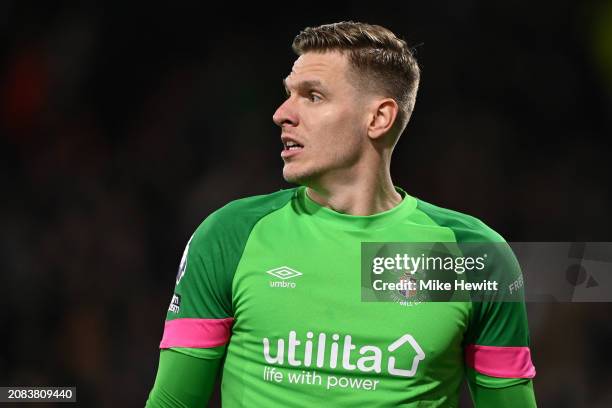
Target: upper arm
[198, 322]
[200, 313]
[183, 380]
[517, 393]
[497, 346]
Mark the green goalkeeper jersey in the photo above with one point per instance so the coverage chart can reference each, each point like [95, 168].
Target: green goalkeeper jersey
[272, 285]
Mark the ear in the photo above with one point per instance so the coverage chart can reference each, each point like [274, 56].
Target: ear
[382, 117]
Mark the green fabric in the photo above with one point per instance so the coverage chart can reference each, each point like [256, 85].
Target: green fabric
[194, 386]
[474, 377]
[491, 323]
[205, 353]
[309, 340]
[486, 393]
[182, 381]
[212, 254]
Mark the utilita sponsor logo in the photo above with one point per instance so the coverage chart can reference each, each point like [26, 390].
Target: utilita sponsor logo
[370, 358]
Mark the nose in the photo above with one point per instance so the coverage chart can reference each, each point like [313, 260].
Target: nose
[285, 114]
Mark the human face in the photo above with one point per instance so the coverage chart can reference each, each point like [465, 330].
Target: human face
[323, 120]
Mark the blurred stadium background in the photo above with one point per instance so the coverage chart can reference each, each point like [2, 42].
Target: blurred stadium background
[123, 125]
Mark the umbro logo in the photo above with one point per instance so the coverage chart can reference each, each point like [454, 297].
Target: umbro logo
[284, 273]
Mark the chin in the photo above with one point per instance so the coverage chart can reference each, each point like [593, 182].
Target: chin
[296, 176]
[291, 177]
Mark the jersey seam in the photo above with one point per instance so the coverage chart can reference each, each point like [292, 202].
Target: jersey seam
[470, 304]
[246, 242]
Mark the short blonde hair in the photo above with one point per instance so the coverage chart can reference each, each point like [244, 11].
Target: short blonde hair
[381, 61]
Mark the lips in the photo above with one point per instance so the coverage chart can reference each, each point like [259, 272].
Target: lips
[291, 146]
[291, 143]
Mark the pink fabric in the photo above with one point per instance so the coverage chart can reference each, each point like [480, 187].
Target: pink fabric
[201, 333]
[504, 362]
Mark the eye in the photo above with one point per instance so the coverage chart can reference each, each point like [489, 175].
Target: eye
[313, 97]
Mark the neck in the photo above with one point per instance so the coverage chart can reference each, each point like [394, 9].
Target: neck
[362, 194]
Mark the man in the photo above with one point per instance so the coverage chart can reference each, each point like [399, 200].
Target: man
[268, 293]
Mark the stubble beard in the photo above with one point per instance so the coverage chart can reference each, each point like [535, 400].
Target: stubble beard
[303, 177]
[312, 174]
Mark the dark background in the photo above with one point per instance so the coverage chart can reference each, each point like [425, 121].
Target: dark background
[123, 125]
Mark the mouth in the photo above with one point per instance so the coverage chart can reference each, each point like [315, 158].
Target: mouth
[291, 145]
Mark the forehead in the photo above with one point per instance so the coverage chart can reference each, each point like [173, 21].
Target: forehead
[327, 67]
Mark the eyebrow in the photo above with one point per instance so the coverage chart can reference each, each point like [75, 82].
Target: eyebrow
[306, 85]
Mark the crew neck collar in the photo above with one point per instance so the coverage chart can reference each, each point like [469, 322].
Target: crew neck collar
[395, 214]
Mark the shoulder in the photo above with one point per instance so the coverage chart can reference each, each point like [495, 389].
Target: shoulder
[465, 227]
[239, 216]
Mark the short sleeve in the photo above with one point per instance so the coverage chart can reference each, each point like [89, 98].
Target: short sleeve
[200, 312]
[497, 340]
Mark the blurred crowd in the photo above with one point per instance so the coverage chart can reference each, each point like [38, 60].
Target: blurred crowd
[123, 126]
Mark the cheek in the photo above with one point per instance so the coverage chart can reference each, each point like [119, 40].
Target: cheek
[338, 127]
